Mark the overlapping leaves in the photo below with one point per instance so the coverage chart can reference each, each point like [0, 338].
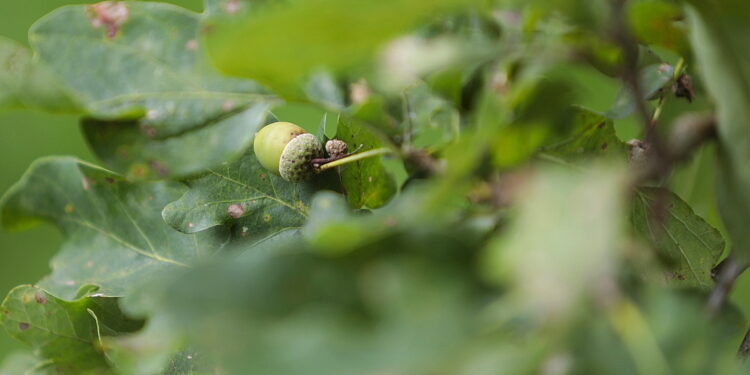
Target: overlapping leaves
[122, 146]
[283, 303]
[148, 63]
[26, 83]
[116, 239]
[68, 334]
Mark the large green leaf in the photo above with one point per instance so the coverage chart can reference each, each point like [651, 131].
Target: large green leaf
[258, 202]
[125, 148]
[691, 246]
[67, 333]
[367, 182]
[281, 44]
[115, 236]
[137, 60]
[719, 39]
[25, 83]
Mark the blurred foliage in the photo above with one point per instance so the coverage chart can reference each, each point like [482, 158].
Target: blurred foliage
[509, 222]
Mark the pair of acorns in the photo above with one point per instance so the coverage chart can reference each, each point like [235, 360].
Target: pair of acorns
[289, 151]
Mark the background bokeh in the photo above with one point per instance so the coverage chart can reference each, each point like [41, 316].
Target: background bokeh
[26, 136]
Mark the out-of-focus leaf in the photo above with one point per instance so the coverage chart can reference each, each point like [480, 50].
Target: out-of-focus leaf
[360, 314]
[653, 78]
[25, 363]
[137, 60]
[67, 333]
[126, 149]
[323, 89]
[433, 121]
[280, 45]
[367, 182]
[334, 229]
[581, 216]
[656, 22]
[691, 246]
[161, 347]
[115, 236]
[451, 83]
[719, 39]
[258, 202]
[593, 135]
[374, 112]
[25, 83]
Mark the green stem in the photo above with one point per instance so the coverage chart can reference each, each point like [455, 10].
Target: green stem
[356, 157]
[679, 68]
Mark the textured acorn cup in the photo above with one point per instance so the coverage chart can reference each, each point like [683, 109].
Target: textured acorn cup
[295, 164]
[287, 150]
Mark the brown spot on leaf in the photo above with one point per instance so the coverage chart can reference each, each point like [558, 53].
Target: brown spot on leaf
[40, 298]
[235, 211]
[159, 168]
[68, 208]
[23, 326]
[601, 125]
[205, 29]
[149, 131]
[681, 277]
[107, 14]
[604, 146]
[138, 170]
[227, 106]
[266, 218]
[109, 180]
[122, 152]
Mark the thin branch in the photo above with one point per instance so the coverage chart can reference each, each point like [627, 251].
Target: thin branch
[744, 350]
[689, 132]
[630, 75]
[725, 275]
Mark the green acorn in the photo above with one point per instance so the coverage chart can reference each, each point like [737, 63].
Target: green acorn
[287, 150]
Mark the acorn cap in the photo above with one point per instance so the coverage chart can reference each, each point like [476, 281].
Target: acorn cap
[294, 164]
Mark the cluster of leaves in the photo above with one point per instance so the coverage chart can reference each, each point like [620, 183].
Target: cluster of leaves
[510, 230]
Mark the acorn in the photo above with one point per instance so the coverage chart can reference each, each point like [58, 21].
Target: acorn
[287, 150]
